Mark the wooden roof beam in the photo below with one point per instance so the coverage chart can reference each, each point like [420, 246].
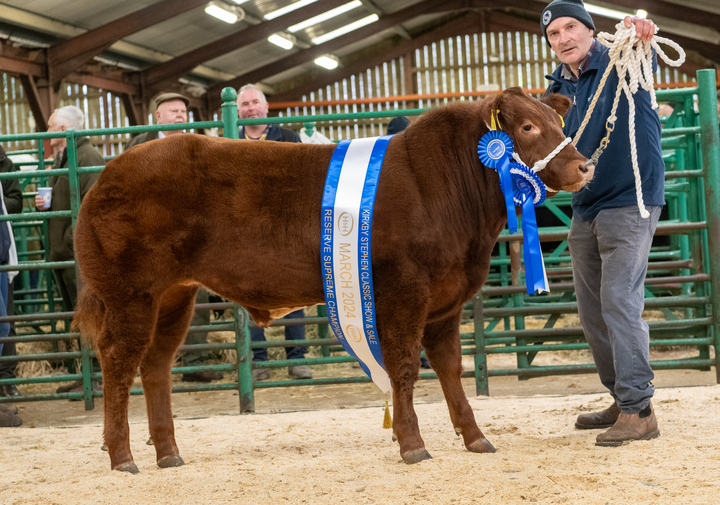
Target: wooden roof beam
[669, 10]
[310, 54]
[459, 26]
[158, 75]
[72, 53]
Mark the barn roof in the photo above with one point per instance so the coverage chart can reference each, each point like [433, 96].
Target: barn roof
[139, 47]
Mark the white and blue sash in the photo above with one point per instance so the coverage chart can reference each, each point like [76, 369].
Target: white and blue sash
[347, 210]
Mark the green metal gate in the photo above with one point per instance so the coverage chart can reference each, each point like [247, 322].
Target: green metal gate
[682, 271]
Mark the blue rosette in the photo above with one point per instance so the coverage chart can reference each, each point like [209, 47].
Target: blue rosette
[526, 184]
[494, 148]
[495, 151]
[529, 192]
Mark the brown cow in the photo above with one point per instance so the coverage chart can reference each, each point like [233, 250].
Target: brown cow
[243, 219]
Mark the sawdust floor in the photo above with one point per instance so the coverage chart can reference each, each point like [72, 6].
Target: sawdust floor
[325, 445]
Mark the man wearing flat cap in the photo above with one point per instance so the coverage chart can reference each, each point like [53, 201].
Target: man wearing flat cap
[609, 240]
[171, 108]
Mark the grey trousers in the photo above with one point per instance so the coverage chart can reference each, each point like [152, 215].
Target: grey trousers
[610, 259]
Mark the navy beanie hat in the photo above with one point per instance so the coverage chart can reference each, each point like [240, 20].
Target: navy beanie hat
[565, 8]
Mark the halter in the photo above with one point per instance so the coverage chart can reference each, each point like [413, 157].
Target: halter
[539, 165]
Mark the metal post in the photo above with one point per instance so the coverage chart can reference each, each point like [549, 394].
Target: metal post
[244, 359]
[482, 385]
[229, 113]
[710, 135]
[86, 367]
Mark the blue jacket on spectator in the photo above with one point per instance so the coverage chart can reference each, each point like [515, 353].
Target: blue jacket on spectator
[614, 183]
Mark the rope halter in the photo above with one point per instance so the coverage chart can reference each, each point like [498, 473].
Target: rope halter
[539, 165]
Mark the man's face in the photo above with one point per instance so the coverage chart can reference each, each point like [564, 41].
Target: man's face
[251, 104]
[56, 124]
[171, 112]
[570, 39]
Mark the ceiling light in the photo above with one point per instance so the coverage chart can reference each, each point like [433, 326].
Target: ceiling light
[238, 2]
[289, 8]
[325, 16]
[641, 13]
[228, 13]
[280, 40]
[345, 29]
[608, 13]
[328, 61]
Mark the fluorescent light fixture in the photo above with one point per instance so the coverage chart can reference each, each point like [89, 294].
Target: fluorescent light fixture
[281, 41]
[345, 29]
[328, 61]
[289, 8]
[228, 13]
[641, 13]
[608, 13]
[325, 16]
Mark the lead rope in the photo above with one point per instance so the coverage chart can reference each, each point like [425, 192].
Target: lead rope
[630, 56]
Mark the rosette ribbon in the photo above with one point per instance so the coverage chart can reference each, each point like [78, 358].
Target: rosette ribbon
[529, 191]
[495, 151]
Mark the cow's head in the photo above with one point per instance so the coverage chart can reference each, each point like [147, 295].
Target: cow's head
[536, 129]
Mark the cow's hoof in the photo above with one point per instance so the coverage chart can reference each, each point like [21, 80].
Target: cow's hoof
[128, 467]
[481, 445]
[416, 456]
[171, 461]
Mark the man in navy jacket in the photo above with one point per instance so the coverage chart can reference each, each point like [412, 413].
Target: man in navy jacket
[609, 241]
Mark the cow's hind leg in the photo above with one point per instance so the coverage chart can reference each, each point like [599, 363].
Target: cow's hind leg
[124, 338]
[442, 348]
[176, 310]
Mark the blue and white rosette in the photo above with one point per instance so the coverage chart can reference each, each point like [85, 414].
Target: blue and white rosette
[523, 187]
[529, 192]
[495, 150]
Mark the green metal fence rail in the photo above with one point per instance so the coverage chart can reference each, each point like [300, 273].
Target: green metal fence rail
[495, 321]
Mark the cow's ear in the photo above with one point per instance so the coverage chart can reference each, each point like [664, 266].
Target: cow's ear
[559, 102]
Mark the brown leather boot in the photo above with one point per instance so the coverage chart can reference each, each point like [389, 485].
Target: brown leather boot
[640, 426]
[596, 420]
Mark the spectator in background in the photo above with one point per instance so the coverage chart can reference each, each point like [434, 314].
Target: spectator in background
[8, 255]
[60, 232]
[397, 125]
[252, 103]
[13, 200]
[171, 108]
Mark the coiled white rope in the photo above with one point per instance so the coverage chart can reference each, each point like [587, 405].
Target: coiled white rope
[631, 57]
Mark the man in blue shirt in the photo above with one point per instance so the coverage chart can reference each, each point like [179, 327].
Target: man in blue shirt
[252, 104]
[609, 241]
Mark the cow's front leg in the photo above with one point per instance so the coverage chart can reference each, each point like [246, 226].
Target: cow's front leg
[401, 315]
[405, 423]
[442, 348]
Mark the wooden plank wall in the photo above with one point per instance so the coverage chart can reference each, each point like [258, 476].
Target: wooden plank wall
[477, 62]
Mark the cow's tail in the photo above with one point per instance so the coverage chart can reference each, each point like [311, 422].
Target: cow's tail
[89, 316]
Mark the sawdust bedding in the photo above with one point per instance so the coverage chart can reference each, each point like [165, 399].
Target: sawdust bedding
[344, 456]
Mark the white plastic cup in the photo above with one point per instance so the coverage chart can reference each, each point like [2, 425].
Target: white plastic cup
[46, 195]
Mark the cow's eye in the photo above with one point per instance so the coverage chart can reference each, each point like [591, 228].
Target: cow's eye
[527, 127]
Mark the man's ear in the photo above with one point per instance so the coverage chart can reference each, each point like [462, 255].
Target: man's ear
[560, 103]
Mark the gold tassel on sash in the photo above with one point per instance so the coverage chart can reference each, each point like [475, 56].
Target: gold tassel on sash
[387, 421]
